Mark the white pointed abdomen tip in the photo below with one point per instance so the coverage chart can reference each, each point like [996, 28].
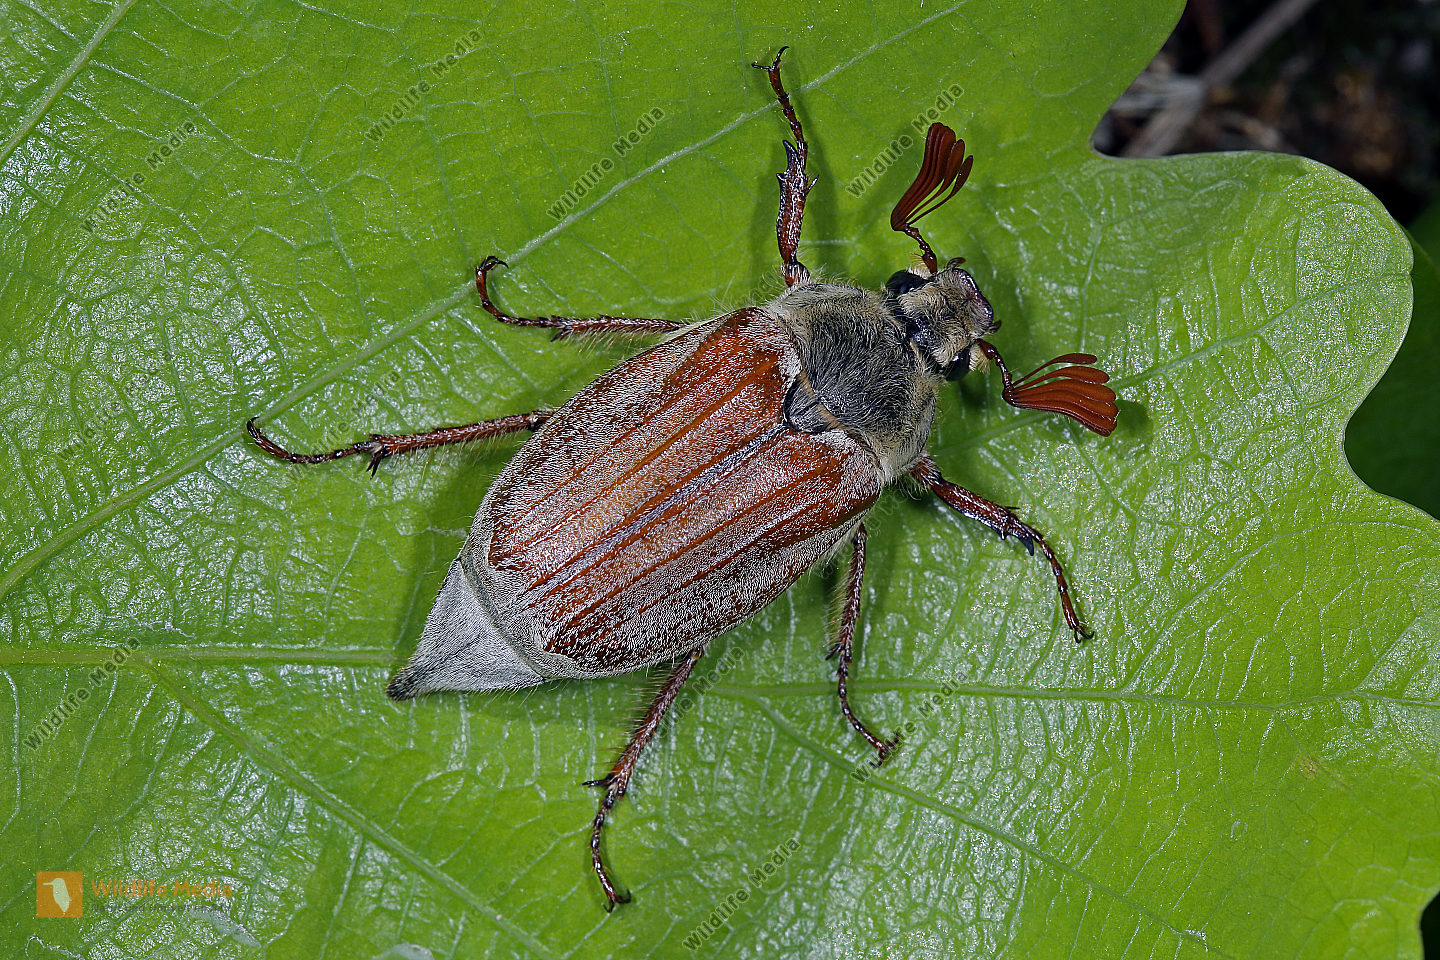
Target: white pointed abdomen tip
[461, 648]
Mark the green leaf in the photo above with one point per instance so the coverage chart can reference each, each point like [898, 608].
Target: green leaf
[1243, 762]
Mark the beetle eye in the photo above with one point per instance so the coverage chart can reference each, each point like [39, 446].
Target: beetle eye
[958, 366]
[903, 281]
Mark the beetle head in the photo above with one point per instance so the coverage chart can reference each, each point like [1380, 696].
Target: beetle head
[943, 311]
[943, 315]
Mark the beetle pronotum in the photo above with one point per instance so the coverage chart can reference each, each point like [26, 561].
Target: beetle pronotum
[692, 484]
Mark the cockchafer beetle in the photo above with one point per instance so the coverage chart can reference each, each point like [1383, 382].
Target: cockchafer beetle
[687, 488]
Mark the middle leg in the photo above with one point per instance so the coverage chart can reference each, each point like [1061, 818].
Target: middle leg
[380, 446]
[565, 326]
[843, 648]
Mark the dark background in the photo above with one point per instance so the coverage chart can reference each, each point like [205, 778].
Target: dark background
[1355, 85]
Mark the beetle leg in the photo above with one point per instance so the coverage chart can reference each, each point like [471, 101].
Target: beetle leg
[1004, 522]
[380, 446]
[844, 642]
[618, 779]
[565, 326]
[793, 185]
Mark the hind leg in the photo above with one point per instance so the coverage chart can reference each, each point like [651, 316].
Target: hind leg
[380, 446]
[618, 779]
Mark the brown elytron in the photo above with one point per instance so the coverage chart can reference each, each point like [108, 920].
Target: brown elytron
[687, 488]
[629, 540]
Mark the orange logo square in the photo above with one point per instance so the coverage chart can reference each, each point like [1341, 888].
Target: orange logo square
[58, 893]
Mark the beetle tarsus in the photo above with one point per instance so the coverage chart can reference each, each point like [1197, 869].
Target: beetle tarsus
[482, 271]
[612, 894]
[884, 751]
[279, 452]
[775, 64]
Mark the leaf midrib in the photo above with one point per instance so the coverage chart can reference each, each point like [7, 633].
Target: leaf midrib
[73, 656]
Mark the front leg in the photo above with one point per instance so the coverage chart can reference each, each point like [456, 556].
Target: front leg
[565, 326]
[1004, 522]
[618, 779]
[793, 185]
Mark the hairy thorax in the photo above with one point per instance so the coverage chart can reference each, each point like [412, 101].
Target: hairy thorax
[859, 372]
